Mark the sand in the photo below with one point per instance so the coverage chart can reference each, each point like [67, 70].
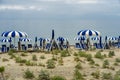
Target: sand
[14, 71]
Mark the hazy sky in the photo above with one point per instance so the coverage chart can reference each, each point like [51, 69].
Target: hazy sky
[67, 17]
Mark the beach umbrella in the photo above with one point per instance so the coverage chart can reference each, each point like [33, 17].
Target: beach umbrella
[60, 39]
[78, 38]
[25, 40]
[53, 34]
[112, 38]
[95, 38]
[5, 40]
[14, 34]
[88, 33]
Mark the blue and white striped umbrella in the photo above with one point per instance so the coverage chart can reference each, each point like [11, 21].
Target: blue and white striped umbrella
[60, 39]
[112, 38]
[95, 38]
[25, 40]
[79, 38]
[14, 34]
[46, 39]
[88, 33]
[5, 40]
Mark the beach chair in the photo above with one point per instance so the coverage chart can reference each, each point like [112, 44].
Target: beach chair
[48, 46]
[77, 46]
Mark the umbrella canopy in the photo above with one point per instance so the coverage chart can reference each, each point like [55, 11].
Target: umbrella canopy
[60, 39]
[5, 40]
[79, 38]
[46, 39]
[25, 40]
[112, 38]
[95, 38]
[88, 33]
[14, 34]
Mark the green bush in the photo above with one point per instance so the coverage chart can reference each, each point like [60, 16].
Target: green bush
[4, 59]
[43, 75]
[77, 75]
[117, 60]
[117, 75]
[107, 76]
[2, 70]
[28, 74]
[60, 61]
[28, 63]
[99, 55]
[91, 62]
[106, 64]
[64, 53]
[76, 58]
[24, 54]
[111, 53]
[42, 57]
[78, 66]
[11, 51]
[34, 58]
[89, 57]
[50, 64]
[82, 54]
[75, 54]
[96, 74]
[57, 78]
[19, 60]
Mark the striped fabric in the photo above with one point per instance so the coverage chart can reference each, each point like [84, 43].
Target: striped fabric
[4, 40]
[14, 34]
[95, 38]
[112, 38]
[60, 39]
[79, 38]
[25, 40]
[88, 33]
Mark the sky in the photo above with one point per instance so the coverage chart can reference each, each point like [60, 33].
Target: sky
[66, 17]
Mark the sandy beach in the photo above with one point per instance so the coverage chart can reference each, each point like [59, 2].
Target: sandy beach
[15, 71]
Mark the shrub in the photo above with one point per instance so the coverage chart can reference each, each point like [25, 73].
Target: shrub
[111, 53]
[89, 57]
[60, 61]
[106, 64]
[50, 64]
[28, 74]
[91, 62]
[117, 75]
[43, 75]
[82, 54]
[99, 55]
[96, 74]
[24, 54]
[78, 66]
[42, 57]
[64, 53]
[76, 58]
[4, 59]
[19, 60]
[41, 64]
[116, 64]
[75, 54]
[107, 76]
[57, 78]
[28, 63]
[77, 75]
[2, 69]
[12, 51]
[117, 60]
[34, 58]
